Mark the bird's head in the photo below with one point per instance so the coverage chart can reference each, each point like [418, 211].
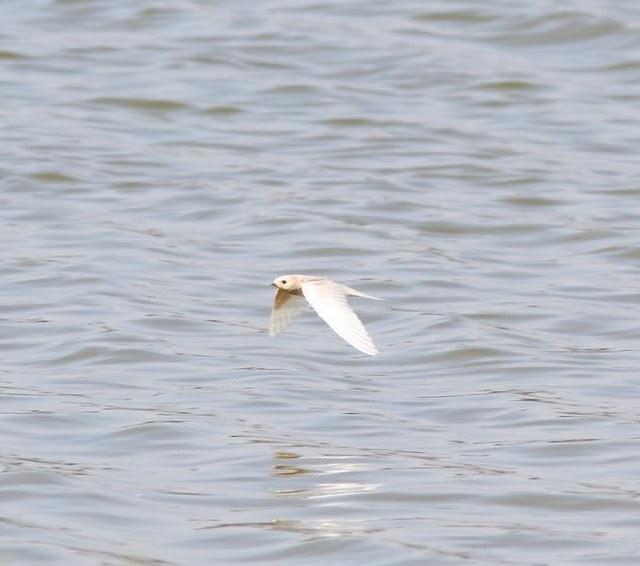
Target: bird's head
[286, 283]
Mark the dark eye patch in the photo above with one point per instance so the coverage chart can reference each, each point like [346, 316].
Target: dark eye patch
[284, 281]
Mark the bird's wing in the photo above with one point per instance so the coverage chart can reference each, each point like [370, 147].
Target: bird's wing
[286, 308]
[330, 302]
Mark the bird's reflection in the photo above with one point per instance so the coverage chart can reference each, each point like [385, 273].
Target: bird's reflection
[291, 464]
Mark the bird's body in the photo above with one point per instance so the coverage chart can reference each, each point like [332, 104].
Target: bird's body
[328, 299]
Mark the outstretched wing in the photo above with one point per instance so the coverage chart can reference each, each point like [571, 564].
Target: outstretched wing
[286, 308]
[330, 302]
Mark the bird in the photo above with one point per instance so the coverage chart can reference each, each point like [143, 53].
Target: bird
[328, 298]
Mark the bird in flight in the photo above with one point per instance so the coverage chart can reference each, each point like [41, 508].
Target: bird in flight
[328, 299]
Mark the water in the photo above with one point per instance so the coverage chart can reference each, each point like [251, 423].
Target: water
[473, 163]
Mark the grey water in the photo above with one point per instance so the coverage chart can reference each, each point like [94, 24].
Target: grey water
[475, 164]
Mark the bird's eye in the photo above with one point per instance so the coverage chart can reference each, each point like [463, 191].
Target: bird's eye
[284, 281]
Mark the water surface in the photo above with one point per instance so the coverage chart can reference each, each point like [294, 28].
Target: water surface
[473, 163]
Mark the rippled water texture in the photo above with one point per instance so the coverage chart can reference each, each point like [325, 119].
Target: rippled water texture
[473, 163]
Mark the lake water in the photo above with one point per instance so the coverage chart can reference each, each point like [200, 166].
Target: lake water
[473, 163]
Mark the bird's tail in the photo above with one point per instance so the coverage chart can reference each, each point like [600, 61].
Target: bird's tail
[350, 291]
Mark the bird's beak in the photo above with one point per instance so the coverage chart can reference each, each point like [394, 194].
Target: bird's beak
[273, 285]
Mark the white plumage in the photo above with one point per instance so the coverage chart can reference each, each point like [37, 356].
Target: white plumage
[328, 299]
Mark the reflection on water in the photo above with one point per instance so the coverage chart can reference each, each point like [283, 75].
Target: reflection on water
[308, 528]
[322, 467]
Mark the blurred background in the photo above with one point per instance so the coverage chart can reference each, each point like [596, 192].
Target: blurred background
[475, 163]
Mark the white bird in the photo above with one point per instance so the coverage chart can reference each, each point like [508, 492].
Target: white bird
[328, 299]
